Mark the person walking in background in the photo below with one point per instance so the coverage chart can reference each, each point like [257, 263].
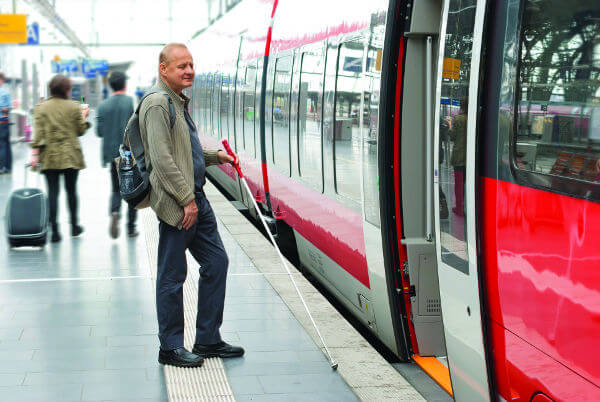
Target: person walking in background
[5, 147]
[458, 135]
[58, 124]
[178, 164]
[111, 118]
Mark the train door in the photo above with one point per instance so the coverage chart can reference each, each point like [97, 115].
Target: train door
[455, 196]
[407, 196]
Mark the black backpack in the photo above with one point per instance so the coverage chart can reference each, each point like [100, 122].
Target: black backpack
[134, 183]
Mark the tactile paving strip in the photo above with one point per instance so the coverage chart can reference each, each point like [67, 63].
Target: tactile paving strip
[208, 383]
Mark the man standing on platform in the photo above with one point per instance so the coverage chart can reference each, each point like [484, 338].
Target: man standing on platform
[5, 148]
[186, 220]
[112, 117]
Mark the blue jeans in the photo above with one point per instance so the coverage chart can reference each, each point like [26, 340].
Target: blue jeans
[205, 245]
[5, 148]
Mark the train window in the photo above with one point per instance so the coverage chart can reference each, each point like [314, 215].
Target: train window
[310, 104]
[280, 124]
[215, 104]
[346, 129]
[370, 127]
[453, 133]
[224, 107]
[207, 104]
[231, 112]
[257, 110]
[556, 141]
[269, 112]
[239, 107]
[249, 94]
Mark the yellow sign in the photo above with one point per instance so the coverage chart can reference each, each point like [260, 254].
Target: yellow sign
[451, 68]
[13, 28]
[56, 58]
[378, 60]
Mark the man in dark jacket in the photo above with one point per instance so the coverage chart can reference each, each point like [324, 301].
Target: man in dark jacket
[112, 117]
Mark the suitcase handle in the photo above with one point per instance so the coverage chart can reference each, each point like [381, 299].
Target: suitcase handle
[28, 165]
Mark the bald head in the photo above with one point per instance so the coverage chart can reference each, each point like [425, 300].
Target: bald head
[176, 67]
[165, 53]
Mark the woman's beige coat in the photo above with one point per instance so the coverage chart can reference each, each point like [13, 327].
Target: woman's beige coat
[58, 123]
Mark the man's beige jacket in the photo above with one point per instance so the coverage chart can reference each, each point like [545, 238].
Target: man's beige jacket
[169, 153]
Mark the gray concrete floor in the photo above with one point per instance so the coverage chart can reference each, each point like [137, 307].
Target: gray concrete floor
[78, 322]
[77, 318]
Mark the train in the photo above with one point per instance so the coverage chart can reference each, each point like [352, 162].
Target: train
[435, 165]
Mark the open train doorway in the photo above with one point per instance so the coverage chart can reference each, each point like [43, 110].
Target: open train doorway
[407, 191]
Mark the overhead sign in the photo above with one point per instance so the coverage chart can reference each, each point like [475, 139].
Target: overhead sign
[91, 68]
[62, 66]
[13, 28]
[451, 68]
[33, 34]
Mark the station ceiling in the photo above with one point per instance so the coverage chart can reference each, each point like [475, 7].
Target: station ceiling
[124, 22]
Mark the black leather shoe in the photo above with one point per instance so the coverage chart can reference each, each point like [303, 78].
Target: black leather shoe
[179, 357]
[221, 349]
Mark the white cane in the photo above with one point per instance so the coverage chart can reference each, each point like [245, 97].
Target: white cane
[236, 165]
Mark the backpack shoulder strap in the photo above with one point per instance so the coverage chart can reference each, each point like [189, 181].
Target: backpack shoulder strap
[171, 106]
[133, 138]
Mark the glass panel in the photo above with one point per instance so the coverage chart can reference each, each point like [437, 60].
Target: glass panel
[558, 107]
[239, 108]
[453, 132]
[281, 114]
[370, 128]
[224, 109]
[215, 105]
[269, 112]
[257, 110]
[309, 118]
[249, 88]
[347, 136]
[208, 104]
[231, 113]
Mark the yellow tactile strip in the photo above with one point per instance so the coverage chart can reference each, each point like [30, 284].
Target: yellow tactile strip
[365, 371]
[208, 383]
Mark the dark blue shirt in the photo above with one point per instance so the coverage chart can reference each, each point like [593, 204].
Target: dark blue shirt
[197, 156]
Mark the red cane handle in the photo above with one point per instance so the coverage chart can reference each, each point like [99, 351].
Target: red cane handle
[236, 164]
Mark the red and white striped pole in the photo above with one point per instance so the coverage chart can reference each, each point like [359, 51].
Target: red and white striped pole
[263, 93]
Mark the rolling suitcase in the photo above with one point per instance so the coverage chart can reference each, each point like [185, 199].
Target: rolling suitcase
[27, 216]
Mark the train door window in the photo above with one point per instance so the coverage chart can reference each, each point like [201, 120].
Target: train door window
[369, 132]
[346, 129]
[249, 94]
[224, 107]
[453, 132]
[215, 104]
[310, 104]
[280, 124]
[556, 141]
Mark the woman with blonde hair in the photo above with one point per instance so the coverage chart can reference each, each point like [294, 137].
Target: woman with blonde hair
[59, 122]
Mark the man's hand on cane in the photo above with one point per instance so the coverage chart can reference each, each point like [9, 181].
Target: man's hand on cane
[224, 157]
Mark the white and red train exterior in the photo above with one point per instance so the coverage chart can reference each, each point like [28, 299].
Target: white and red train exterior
[521, 315]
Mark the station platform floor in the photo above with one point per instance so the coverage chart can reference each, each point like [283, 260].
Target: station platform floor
[78, 318]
